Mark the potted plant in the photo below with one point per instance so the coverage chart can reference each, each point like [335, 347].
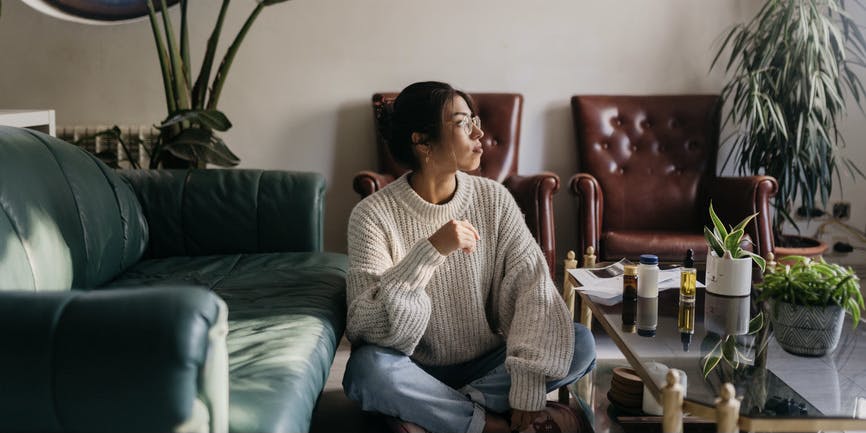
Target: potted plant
[807, 300]
[188, 132]
[729, 266]
[791, 66]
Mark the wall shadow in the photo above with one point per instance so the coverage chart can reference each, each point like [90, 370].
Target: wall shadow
[560, 156]
[354, 150]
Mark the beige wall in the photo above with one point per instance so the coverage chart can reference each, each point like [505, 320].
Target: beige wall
[299, 92]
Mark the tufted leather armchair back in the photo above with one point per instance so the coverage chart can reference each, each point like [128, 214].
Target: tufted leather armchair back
[500, 119]
[653, 156]
[648, 172]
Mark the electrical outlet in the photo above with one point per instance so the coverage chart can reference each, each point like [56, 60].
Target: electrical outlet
[842, 210]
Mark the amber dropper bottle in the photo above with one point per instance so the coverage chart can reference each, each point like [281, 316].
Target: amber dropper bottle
[629, 298]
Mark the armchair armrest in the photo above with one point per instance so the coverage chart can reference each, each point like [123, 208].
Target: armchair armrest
[367, 182]
[534, 195]
[214, 211]
[735, 198]
[113, 360]
[590, 204]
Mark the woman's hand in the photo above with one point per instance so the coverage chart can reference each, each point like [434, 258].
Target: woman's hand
[455, 235]
[520, 420]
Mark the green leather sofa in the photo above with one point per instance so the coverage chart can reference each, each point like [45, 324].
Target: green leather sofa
[114, 288]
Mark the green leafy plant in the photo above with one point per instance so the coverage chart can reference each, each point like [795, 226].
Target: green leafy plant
[730, 349]
[726, 243]
[813, 282]
[791, 65]
[188, 132]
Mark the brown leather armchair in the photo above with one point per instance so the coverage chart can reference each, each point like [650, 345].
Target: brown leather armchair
[648, 172]
[500, 119]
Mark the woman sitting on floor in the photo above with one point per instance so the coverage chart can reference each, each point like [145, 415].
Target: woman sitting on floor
[455, 323]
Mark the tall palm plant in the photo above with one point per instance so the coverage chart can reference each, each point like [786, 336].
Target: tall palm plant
[188, 132]
[791, 66]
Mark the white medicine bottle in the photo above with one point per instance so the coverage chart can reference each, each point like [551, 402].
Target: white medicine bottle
[648, 276]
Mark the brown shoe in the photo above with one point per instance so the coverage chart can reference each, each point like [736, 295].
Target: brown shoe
[397, 425]
[559, 418]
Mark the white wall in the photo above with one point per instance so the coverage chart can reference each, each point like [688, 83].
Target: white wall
[299, 91]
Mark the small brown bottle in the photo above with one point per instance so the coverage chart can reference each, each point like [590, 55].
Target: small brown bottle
[629, 298]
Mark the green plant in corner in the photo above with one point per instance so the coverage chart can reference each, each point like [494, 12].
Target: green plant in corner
[188, 132]
[791, 65]
[726, 243]
[808, 282]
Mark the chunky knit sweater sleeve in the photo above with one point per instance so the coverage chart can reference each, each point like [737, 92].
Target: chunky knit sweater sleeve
[387, 304]
[530, 312]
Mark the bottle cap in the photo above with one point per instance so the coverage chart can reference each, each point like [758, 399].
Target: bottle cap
[628, 328]
[690, 259]
[630, 269]
[686, 338]
[649, 259]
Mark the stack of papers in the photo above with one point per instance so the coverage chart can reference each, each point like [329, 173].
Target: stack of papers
[604, 285]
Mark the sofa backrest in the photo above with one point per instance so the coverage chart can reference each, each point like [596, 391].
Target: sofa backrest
[66, 219]
[236, 211]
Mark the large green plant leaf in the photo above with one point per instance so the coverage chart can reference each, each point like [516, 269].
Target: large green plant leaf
[211, 119]
[714, 242]
[201, 145]
[717, 223]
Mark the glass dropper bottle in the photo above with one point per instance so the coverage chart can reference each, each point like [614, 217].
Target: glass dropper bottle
[688, 290]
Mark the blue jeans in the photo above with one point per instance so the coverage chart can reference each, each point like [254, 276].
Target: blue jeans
[450, 398]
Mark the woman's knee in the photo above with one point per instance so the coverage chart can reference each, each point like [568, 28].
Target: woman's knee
[584, 349]
[370, 367]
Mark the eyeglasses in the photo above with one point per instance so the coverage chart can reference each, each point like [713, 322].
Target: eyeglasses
[468, 122]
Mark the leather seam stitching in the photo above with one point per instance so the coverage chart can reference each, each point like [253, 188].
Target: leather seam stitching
[123, 222]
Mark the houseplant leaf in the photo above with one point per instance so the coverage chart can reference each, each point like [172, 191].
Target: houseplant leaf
[714, 242]
[211, 119]
[732, 242]
[717, 223]
[200, 144]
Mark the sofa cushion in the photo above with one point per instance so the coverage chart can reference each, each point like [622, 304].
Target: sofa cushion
[286, 316]
[66, 219]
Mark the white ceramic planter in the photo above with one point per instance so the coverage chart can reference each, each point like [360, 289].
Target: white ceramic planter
[729, 277]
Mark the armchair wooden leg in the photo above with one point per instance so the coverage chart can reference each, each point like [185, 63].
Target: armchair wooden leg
[672, 403]
[727, 410]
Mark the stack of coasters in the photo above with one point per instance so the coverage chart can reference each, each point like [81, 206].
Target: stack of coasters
[626, 390]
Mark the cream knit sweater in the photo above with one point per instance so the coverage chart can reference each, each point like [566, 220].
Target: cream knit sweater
[443, 310]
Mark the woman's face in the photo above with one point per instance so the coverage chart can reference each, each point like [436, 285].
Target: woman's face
[460, 143]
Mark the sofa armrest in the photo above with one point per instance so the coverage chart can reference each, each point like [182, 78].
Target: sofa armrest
[367, 182]
[735, 198]
[590, 204]
[534, 195]
[113, 360]
[215, 211]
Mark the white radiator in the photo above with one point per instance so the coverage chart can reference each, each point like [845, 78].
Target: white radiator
[137, 139]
